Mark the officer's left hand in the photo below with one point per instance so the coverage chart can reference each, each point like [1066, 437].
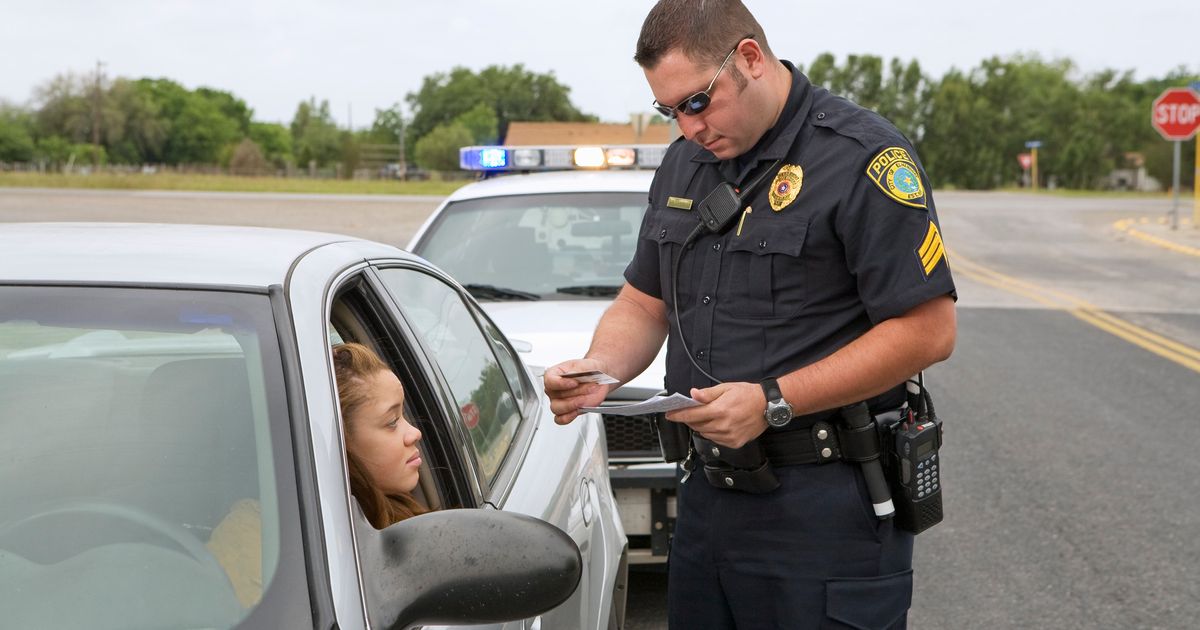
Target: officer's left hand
[731, 416]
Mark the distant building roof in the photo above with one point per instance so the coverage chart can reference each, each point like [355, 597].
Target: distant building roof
[581, 133]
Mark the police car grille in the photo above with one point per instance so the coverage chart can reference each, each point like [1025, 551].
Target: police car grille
[632, 438]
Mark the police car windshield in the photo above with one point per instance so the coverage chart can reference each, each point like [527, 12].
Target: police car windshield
[555, 245]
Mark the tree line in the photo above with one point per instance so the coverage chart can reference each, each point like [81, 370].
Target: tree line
[968, 126]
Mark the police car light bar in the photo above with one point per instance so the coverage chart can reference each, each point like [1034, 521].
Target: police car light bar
[556, 158]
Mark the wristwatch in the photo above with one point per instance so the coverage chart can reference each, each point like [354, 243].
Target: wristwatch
[779, 412]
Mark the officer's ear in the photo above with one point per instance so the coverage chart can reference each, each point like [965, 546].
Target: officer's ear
[753, 58]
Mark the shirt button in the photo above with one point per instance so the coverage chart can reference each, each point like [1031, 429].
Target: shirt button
[663, 234]
[762, 244]
[706, 299]
[700, 354]
[820, 115]
[716, 247]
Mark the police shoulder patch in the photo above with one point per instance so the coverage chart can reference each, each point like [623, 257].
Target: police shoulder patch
[896, 174]
[931, 251]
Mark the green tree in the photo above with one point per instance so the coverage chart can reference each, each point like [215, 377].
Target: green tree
[274, 140]
[16, 137]
[230, 106]
[387, 127]
[64, 108]
[199, 133]
[438, 149]
[135, 129]
[899, 96]
[481, 122]
[513, 93]
[315, 136]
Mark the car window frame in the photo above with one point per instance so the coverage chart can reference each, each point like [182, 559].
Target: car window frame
[496, 490]
[454, 468]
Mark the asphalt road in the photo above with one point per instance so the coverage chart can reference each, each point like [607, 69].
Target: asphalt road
[1072, 402]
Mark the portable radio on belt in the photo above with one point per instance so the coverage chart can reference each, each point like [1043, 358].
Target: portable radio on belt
[915, 468]
[919, 505]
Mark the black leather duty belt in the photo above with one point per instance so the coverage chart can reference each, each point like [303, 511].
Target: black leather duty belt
[816, 444]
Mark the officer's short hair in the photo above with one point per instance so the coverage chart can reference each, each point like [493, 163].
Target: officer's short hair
[704, 30]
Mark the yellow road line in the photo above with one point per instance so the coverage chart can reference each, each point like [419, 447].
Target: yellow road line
[1167, 348]
[1126, 226]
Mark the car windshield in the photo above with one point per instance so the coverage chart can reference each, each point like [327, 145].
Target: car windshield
[143, 479]
[550, 246]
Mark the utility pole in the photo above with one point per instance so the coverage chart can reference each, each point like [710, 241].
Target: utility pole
[403, 164]
[97, 96]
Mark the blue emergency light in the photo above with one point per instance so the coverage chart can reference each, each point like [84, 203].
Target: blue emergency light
[482, 158]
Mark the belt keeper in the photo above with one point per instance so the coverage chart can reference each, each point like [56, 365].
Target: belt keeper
[825, 442]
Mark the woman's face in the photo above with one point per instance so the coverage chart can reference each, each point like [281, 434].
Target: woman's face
[382, 439]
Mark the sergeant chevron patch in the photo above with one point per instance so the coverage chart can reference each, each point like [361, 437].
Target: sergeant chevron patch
[896, 174]
[931, 251]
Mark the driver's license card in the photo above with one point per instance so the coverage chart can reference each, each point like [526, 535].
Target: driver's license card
[592, 376]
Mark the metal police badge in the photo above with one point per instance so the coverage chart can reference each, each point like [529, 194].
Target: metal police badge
[786, 186]
[896, 174]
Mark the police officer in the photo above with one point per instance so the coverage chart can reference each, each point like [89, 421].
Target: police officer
[829, 286]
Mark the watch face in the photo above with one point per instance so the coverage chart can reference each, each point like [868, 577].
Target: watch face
[779, 416]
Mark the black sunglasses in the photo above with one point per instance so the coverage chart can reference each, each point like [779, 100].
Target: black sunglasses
[699, 101]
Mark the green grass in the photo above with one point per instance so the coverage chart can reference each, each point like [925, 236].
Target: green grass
[227, 183]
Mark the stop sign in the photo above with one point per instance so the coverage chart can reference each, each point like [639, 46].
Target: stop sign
[1176, 113]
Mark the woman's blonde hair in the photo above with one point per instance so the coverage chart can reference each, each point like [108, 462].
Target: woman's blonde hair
[353, 364]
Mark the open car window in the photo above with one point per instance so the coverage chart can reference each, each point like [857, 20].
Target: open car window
[481, 373]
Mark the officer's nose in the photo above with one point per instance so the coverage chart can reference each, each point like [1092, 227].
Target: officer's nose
[691, 126]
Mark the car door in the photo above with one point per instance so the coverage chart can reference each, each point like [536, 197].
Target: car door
[523, 462]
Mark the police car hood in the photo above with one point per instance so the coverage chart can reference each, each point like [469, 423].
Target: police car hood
[559, 330]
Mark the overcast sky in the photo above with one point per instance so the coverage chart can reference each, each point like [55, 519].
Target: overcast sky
[367, 54]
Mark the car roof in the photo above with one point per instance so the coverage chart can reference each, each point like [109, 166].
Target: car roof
[557, 182]
[155, 253]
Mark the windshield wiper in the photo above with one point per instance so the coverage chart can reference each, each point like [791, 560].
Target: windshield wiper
[490, 292]
[591, 290]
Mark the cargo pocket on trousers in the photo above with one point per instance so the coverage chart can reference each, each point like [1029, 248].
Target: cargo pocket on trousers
[872, 603]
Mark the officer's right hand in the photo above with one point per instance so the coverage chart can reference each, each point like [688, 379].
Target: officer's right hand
[567, 395]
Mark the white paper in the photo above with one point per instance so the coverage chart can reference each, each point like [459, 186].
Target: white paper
[654, 404]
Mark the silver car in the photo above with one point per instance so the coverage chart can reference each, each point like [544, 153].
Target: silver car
[157, 381]
[545, 253]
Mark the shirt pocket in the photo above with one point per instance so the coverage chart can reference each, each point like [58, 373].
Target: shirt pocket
[766, 277]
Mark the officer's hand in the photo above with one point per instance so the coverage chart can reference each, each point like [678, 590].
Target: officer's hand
[567, 395]
[731, 416]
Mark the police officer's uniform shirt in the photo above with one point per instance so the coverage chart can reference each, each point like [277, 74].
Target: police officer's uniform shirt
[841, 235]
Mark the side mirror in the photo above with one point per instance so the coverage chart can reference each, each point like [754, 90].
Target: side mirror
[463, 567]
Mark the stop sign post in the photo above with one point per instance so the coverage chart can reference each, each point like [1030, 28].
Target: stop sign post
[1176, 116]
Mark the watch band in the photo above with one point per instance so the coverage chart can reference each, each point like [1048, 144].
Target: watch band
[771, 389]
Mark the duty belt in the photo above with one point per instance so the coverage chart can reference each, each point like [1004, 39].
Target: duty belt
[817, 440]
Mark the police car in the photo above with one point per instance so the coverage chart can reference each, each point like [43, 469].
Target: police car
[543, 248]
[172, 453]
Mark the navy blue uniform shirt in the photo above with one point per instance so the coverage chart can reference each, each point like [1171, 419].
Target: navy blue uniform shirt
[839, 236]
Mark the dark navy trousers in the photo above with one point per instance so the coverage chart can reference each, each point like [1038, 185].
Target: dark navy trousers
[810, 554]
